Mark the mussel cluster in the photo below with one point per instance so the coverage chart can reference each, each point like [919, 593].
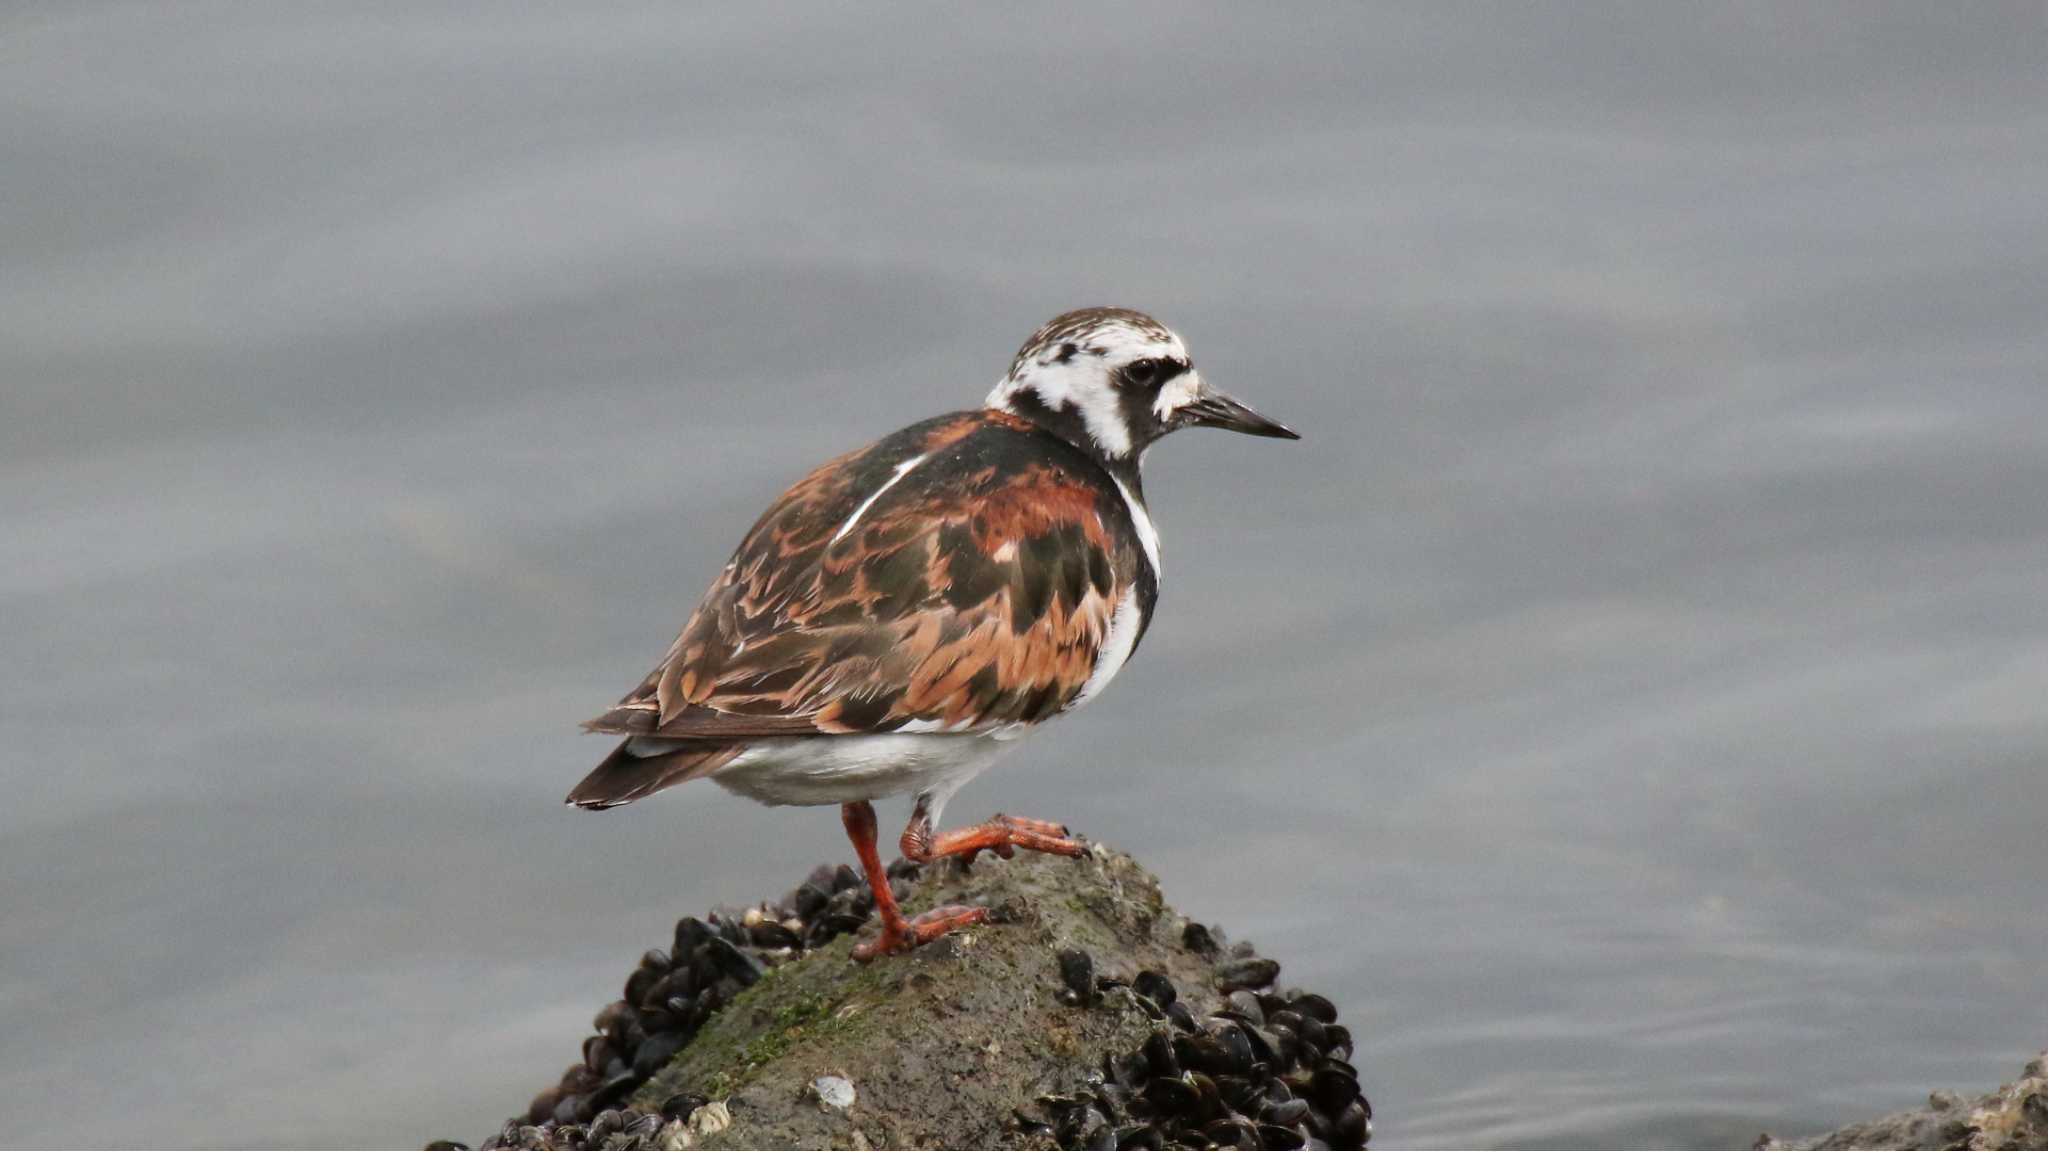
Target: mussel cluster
[1269, 1070]
[682, 1121]
[668, 998]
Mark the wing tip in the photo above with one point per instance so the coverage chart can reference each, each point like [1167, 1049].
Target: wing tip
[624, 777]
[587, 804]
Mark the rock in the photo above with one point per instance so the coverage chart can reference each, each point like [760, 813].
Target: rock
[833, 1092]
[2012, 1118]
[1027, 1032]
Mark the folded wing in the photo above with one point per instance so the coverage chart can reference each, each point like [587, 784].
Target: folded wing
[954, 576]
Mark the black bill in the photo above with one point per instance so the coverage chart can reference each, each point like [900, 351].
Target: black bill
[1213, 409]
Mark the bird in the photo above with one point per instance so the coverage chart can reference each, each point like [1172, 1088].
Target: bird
[901, 616]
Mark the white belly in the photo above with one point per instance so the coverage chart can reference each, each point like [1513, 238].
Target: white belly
[848, 768]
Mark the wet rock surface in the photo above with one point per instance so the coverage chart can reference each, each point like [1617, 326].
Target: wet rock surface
[1087, 1015]
[2012, 1118]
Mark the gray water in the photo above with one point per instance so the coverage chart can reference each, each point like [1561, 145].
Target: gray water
[1627, 702]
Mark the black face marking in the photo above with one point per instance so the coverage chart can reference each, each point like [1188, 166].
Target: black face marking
[1151, 372]
[1066, 353]
[1065, 421]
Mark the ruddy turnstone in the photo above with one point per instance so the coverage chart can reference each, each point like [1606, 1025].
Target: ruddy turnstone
[894, 622]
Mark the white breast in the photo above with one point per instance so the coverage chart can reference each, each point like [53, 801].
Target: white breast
[1141, 520]
[1124, 625]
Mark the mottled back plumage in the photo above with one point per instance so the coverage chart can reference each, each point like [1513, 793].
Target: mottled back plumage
[972, 593]
[972, 575]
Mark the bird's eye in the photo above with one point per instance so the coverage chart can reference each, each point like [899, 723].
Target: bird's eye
[1145, 373]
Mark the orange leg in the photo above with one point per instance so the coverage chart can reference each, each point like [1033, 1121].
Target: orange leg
[898, 934]
[1002, 834]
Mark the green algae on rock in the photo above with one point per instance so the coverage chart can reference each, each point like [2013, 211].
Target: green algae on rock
[980, 1039]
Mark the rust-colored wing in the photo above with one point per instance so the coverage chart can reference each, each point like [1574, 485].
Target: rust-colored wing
[958, 575]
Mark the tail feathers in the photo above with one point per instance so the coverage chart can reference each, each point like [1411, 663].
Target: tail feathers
[634, 770]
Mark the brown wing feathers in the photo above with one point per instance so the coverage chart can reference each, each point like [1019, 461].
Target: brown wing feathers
[973, 592]
[624, 777]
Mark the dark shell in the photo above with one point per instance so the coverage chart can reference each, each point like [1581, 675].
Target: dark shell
[1244, 1095]
[733, 962]
[1235, 1047]
[1222, 1052]
[655, 1053]
[1265, 1046]
[1172, 1096]
[1140, 1137]
[1248, 972]
[691, 932]
[680, 983]
[809, 900]
[1353, 1127]
[614, 1019]
[1276, 1138]
[1161, 1062]
[1287, 1114]
[1231, 1132]
[682, 1104]
[1332, 1089]
[613, 1092]
[1077, 971]
[1156, 987]
[1337, 1039]
[1313, 1033]
[1315, 1006]
[770, 934]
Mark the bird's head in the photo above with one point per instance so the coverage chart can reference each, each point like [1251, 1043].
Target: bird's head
[1111, 381]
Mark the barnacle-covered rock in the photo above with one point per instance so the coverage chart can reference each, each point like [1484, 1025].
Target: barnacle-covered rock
[2012, 1118]
[1087, 1014]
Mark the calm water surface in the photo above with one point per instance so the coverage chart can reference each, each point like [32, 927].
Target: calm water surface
[1626, 702]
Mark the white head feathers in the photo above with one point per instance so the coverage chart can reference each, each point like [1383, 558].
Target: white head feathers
[1075, 364]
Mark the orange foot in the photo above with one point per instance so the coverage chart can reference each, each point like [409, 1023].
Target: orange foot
[1002, 834]
[903, 935]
